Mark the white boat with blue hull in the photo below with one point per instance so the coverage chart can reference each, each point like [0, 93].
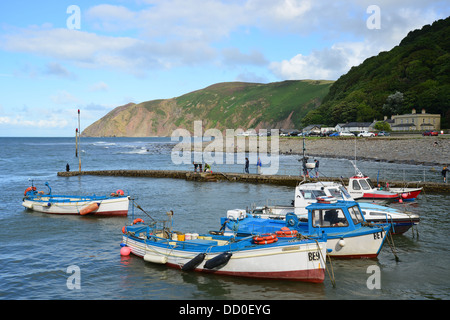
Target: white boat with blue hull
[307, 193]
[297, 259]
[116, 204]
[348, 234]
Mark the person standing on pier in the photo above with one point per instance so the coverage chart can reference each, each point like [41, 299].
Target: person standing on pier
[259, 165]
[444, 173]
[316, 168]
[247, 163]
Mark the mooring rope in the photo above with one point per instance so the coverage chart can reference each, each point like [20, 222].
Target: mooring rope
[332, 279]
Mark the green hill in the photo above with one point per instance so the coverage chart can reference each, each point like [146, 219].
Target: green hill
[223, 106]
[418, 68]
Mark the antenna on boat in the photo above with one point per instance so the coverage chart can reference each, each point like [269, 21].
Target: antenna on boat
[358, 173]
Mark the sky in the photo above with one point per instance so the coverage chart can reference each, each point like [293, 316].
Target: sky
[57, 57]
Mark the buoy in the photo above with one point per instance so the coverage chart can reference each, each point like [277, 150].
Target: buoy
[218, 261]
[125, 251]
[120, 192]
[90, 208]
[192, 264]
[342, 242]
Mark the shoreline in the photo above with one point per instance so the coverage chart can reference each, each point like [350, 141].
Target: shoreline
[414, 149]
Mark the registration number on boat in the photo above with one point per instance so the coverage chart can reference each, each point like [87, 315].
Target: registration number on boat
[378, 235]
[313, 256]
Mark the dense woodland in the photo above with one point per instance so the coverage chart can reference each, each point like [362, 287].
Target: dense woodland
[414, 74]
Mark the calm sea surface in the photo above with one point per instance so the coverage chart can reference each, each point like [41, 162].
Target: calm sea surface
[36, 249]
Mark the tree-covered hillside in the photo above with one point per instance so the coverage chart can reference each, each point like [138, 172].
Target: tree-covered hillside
[414, 74]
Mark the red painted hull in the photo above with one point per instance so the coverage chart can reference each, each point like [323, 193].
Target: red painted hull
[314, 276]
[411, 195]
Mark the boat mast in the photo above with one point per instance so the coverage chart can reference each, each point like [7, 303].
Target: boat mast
[79, 138]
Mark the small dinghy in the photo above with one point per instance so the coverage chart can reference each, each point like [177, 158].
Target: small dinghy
[115, 204]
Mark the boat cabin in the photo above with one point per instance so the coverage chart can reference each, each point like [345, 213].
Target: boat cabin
[329, 215]
[335, 215]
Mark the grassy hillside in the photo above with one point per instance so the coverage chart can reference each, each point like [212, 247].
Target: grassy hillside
[223, 106]
[418, 68]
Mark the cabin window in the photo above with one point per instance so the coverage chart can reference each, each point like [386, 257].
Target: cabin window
[356, 215]
[339, 193]
[370, 184]
[356, 185]
[364, 184]
[312, 194]
[345, 192]
[329, 218]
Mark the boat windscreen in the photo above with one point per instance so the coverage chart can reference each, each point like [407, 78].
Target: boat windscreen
[312, 194]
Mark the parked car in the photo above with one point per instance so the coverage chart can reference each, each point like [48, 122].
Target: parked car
[366, 134]
[384, 133]
[346, 134]
[430, 133]
[335, 134]
[313, 133]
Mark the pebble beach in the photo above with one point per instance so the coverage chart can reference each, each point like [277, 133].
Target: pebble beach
[433, 151]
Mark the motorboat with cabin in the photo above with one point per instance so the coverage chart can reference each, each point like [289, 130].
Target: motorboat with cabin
[348, 233]
[308, 193]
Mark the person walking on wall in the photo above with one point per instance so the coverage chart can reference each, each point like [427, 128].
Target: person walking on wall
[316, 168]
[259, 165]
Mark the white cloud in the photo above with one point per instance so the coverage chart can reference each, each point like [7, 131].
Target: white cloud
[171, 33]
[99, 86]
[53, 122]
[64, 98]
[325, 64]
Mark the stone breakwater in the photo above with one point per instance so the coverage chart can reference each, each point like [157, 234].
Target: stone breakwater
[290, 181]
[421, 150]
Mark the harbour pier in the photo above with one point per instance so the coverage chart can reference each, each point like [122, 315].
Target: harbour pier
[284, 180]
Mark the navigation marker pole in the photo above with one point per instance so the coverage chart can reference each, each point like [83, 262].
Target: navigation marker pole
[79, 138]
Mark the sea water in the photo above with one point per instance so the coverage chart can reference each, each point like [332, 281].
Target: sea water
[71, 257]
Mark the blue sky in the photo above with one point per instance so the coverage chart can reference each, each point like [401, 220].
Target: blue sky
[138, 50]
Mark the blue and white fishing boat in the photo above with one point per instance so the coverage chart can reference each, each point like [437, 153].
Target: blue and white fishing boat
[115, 204]
[264, 256]
[307, 193]
[348, 234]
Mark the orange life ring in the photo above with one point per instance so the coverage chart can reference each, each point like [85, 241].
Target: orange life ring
[124, 230]
[265, 239]
[120, 192]
[286, 232]
[138, 220]
[28, 190]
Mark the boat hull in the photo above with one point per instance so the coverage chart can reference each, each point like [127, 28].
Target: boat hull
[357, 247]
[116, 206]
[362, 242]
[295, 261]
[407, 194]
